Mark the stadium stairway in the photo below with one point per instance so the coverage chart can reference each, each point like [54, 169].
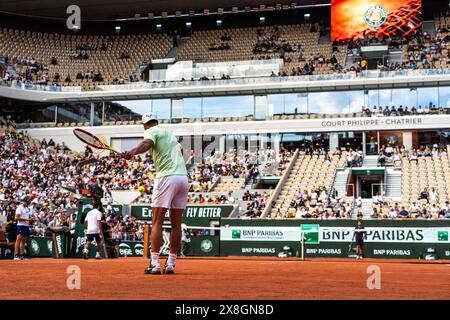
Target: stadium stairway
[370, 161]
[429, 27]
[326, 38]
[366, 208]
[395, 55]
[393, 183]
[340, 181]
[174, 51]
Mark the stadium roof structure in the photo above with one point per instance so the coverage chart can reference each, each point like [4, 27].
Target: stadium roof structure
[120, 9]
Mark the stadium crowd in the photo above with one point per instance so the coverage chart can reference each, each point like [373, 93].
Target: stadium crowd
[46, 175]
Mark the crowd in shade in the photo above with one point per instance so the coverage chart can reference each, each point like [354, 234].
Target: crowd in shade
[47, 174]
[256, 203]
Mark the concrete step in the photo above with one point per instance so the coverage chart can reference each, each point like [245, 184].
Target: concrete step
[429, 27]
[340, 181]
[370, 161]
[393, 182]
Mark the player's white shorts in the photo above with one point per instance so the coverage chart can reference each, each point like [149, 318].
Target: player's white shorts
[170, 192]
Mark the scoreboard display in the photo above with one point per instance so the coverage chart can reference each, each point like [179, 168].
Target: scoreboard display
[352, 19]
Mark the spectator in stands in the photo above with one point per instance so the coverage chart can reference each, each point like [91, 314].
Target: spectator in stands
[403, 213]
[392, 213]
[375, 214]
[424, 195]
[413, 156]
[381, 159]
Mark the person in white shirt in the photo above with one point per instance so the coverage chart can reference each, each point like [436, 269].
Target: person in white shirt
[392, 213]
[23, 218]
[432, 196]
[93, 225]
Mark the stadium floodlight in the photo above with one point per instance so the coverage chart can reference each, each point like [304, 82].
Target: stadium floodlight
[307, 16]
[117, 29]
[219, 23]
[188, 24]
[262, 20]
[158, 27]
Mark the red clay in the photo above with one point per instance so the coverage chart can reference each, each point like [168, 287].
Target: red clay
[225, 278]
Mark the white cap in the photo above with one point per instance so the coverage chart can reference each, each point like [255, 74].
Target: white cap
[146, 117]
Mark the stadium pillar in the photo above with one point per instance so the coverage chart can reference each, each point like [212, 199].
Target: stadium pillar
[364, 143]
[407, 140]
[91, 122]
[334, 141]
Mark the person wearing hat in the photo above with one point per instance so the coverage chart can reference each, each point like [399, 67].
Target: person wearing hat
[170, 188]
[23, 218]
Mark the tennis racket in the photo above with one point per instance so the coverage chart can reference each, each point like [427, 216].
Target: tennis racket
[92, 140]
[349, 248]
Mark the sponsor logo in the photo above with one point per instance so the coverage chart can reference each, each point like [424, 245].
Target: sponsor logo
[206, 245]
[50, 245]
[34, 247]
[125, 250]
[375, 16]
[59, 244]
[139, 249]
[443, 236]
[235, 234]
[313, 236]
[80, 243]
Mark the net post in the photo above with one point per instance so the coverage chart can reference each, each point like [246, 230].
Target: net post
[303, 246]
[146, 241]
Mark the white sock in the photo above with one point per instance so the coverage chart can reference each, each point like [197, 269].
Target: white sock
[85, 250]
[171, 260]
[155, 259]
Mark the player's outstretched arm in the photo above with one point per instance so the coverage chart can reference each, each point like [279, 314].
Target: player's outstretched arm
[142, 147]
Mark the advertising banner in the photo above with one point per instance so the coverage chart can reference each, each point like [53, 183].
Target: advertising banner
[40, 246]
[352, 19]
[385, 239]
[197, 246]
[194, 215]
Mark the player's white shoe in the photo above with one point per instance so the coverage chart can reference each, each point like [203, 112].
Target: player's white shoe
[85, 254]
[168, 269]
[98, 256]
[152, 269]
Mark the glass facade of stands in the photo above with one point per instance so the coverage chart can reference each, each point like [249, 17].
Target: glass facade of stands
[369, 142]
[263, 107]
[234, 108]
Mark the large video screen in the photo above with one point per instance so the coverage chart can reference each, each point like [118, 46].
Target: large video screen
[352, 19]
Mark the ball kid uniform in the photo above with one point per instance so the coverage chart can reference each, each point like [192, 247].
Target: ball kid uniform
[23, 227]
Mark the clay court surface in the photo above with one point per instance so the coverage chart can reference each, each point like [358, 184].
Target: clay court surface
[225, 278]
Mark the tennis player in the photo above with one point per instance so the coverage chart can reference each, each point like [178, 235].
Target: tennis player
[170, 189]
[93, 224]
[359, 236]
